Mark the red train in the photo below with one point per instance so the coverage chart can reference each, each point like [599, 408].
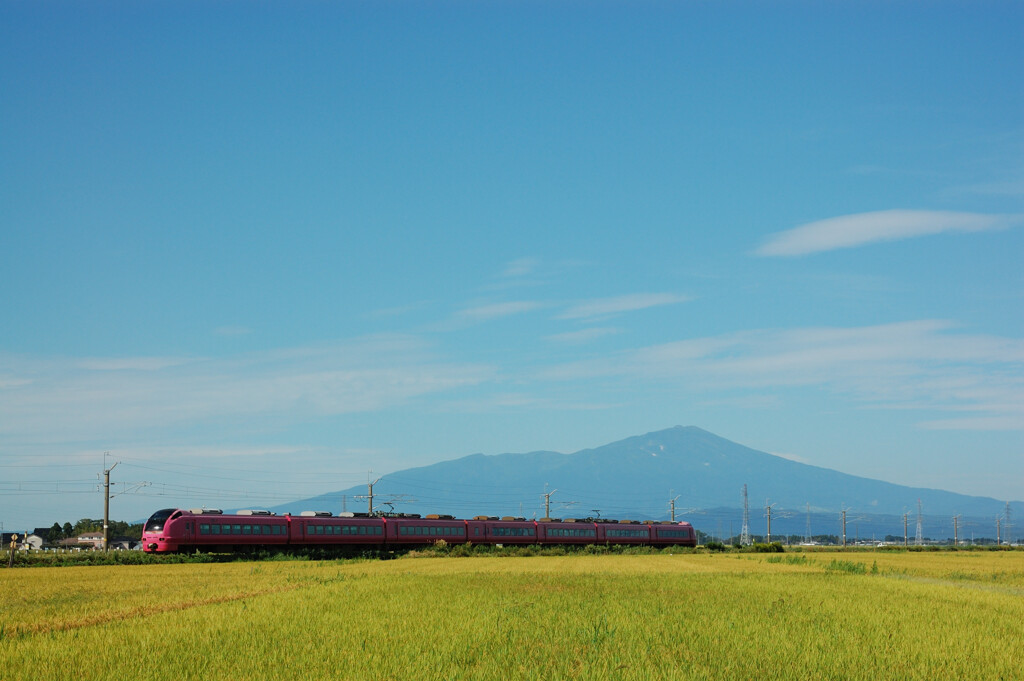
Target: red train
[173, 529]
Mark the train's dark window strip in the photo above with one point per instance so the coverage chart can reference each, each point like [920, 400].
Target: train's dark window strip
[429, 531]
[514, 532]
[213, 529]
[678, 534]
[346, 530]
[627, 533]
[558, 532]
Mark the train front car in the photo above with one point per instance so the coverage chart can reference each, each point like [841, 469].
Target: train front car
[164, 532]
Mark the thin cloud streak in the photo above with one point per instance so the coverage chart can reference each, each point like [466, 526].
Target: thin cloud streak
[499, 310]
[68, 400]
[604, 307]
[920, 365]
[583, 336]
[849, 231]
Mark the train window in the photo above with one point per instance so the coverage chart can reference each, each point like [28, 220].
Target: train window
[215, 529]
[204, 529]
[476, 530]
[236, 529]
[246, 529]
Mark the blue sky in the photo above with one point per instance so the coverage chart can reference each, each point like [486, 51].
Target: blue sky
[256, 251]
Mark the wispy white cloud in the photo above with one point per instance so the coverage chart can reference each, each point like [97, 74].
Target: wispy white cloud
[920, 365]
[604, 307]
[521, 267]
[583, 335]
[131, 363]
[490, 311]
[864, 228]
[57, 399]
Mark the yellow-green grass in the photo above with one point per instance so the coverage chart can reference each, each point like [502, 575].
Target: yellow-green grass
[682, 616]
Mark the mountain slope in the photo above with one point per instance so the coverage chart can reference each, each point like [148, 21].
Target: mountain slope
[638, 476]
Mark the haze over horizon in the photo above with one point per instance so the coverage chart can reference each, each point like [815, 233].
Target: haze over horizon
[258, 254]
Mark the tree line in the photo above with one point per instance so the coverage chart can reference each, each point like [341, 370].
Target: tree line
[115, 528]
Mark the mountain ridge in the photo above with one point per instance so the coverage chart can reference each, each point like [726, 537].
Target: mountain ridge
[638, 476]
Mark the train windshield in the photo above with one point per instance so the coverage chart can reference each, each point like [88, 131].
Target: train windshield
[157, 520]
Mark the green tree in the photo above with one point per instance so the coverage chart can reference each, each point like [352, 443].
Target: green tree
[55, 534]
[87, 525]
[67, 530]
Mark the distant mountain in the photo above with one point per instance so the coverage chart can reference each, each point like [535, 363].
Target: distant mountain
[637, 477]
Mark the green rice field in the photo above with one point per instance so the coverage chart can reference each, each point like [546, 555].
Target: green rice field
[687, 615]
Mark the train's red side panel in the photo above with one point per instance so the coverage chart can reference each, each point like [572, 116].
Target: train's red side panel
[170, 530]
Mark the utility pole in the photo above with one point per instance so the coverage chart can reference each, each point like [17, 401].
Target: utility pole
[904, 530]
[106, 502]
[369, 495]
[844, 528]
[997, 531]
[768, 514]
[956, 536]
[547, 503]
[672, 503]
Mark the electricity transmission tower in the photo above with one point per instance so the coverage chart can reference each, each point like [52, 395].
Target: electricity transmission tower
[1008, 526]
[807, 532]
[919, 538]
[745, 532]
